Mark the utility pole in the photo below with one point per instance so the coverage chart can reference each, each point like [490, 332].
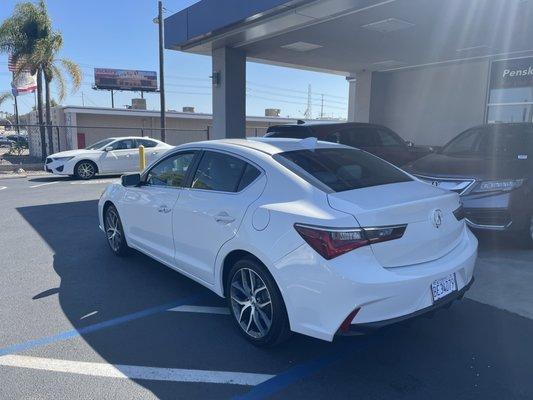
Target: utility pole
[322, 106]
[82, 100]
[161, 70]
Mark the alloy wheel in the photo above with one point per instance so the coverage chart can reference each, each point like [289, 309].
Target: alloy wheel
[86, 170]
[251, 303]
[113, 230]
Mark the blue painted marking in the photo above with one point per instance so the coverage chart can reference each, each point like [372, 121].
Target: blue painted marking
[296, 373]
[96, 327]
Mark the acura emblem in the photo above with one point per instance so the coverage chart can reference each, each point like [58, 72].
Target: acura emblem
[436, 218]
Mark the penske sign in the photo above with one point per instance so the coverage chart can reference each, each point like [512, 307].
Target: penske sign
[512, 73]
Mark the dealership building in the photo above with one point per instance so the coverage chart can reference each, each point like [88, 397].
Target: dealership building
[428, 69]
[76, 127]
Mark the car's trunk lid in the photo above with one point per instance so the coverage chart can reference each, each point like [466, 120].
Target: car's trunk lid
[413, 203]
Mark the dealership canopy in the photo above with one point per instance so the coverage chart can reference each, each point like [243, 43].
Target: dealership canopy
[419, 66]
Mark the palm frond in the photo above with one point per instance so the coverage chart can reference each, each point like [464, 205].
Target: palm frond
[59, 80]
[4, 97]
[74, 72]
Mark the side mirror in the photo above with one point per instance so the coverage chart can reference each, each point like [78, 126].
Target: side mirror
[131, 180]
[109, 148]
[409, 143]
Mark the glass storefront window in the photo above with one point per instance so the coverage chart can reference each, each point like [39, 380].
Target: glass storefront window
[510, 113]
[511, 95]
[511, 91]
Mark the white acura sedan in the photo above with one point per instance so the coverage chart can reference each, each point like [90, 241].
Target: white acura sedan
[108, 156]
[298, 235]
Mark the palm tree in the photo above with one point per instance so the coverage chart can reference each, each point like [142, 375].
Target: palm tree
[28, 36]
[19, 37]
[45, 55]
[53, 69]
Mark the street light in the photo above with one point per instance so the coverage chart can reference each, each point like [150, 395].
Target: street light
[159, 21]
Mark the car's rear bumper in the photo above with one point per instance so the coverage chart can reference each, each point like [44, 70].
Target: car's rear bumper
[320, 296]
[369, 327]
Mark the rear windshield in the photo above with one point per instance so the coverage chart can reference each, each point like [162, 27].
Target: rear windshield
[340, 169]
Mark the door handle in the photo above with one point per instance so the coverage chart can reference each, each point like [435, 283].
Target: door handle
[224, 218]
[164, 209]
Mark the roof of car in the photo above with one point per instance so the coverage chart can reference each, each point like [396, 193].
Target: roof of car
[132, 137]
[266, 145]
[310, 124]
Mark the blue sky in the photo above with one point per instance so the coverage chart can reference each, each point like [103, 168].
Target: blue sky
[121, 34]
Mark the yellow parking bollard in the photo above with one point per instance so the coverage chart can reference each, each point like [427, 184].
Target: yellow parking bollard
[142, 158]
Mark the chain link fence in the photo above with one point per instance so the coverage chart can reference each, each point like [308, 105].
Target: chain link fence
[69, 137]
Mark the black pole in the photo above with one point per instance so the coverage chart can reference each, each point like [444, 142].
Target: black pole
[112, 98]
[48, 116]
[17, 121]
[161, 71]
[40, 112]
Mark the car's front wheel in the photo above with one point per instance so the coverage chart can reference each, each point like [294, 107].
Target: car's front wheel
[85, 170]
[256, 304]
[115, 232]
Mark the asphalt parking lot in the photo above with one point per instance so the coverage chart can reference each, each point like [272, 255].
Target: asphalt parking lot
[77, 322]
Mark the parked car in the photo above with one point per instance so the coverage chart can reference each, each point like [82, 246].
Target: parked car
[298, 235]
[491, 167]
[108, 156]
[376, 139]
[5, 142]
[21, 140]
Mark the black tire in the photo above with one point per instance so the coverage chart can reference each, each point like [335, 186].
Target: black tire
[257, 310]
[115, 232]
[85, 170]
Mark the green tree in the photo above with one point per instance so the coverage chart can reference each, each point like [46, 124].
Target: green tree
[28, 36]
[20, 35]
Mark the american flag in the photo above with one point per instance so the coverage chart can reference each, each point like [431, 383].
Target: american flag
[11, 65]
[23, 82]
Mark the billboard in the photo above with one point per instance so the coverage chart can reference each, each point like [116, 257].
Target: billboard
[125, 79]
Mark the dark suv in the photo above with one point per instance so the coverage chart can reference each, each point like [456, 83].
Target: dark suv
[491, 167]
[376, 139]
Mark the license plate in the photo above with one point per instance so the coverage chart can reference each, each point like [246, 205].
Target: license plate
[443, 287]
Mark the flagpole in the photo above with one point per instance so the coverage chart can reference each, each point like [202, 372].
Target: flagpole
[15, 95]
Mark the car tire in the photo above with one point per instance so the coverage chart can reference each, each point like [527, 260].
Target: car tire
[114, 232]
[257, 307]
[85, 170]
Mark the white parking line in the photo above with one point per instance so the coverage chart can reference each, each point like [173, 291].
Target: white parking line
[94, 182]
[43, 184]
[202, 310]
[133, 372]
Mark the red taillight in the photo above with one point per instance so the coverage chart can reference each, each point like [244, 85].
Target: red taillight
[345, 326]
[333, 242]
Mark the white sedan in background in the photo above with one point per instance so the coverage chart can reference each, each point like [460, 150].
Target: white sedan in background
[298, 235]
[108, 156]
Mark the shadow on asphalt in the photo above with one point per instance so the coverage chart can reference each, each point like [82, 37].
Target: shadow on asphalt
[468, 351]
[59, 178]
[51, 178]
